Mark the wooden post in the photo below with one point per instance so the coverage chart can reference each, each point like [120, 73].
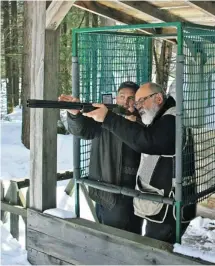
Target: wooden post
[14, 218]
[3, 213]
[43, 122]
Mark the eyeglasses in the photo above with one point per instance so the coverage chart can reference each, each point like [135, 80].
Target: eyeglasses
[143, 99]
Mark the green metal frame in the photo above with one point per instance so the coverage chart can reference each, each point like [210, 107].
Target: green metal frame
[179, 90]
[76, 141]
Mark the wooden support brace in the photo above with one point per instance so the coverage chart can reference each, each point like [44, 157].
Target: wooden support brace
[56, 12]
[89, 202]
[70, 188]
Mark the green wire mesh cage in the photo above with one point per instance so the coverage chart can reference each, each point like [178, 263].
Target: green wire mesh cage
[105, 61]
[111, 55]
[199, 108]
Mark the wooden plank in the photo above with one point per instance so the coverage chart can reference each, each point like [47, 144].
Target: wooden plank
[56, 12]
[111, 13]
[70, 187]
[14, 218]
[40, 258]
[119, 6]
[43, 122]
[18, 210]
[208, 7]
[98, 243]
[120, 16]
[64, 250]
[89, 202]
[149, 9]
[4, 215]
[25, 182]
[168, 4]
[22, 198]
[64, 176]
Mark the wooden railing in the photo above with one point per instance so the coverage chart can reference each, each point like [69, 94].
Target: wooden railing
[14, 201]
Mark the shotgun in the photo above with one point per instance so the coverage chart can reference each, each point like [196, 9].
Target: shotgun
[84, 107]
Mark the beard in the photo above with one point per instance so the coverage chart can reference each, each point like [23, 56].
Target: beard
[148, 115]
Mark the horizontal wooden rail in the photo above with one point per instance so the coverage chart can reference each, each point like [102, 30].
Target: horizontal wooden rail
[22, 183]
[15, 209]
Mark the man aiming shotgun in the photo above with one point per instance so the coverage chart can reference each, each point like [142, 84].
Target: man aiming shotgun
[111, 160]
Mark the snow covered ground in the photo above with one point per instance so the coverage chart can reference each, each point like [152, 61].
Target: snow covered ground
[15, 161]
[199, 240]
[15, 164]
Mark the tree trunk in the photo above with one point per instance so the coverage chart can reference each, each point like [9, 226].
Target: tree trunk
[15, 62]
[87, 19]
[107, 81]
[163, 64]
[95, 20]
[26, 72]
[7, 47]
[64, 32]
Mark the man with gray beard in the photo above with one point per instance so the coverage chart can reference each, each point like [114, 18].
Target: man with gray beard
[155, 140]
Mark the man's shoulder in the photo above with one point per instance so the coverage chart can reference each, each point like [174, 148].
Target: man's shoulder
[171, 111]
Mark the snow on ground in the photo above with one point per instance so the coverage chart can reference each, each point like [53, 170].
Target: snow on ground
[199, 240]
[15, 162]
[12, 252]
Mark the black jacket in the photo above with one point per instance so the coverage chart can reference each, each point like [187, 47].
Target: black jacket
[106, 161]
[156, 139]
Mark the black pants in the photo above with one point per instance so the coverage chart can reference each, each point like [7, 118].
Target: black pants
[163, 232]
[121, 216]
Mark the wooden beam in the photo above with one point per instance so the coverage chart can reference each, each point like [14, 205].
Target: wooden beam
[18, 210]
[43, 122]
[89, 202]
[56, 12]
[153, 11]
[79, 241]
[40, 258]
[25, 182]
[70, 188]
[207, 7]
[111, 13]
[120, 16]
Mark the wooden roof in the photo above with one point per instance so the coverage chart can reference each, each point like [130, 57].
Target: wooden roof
[138, 12]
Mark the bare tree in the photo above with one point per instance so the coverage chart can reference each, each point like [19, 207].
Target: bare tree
[7, 47]
[163, 62]
[14, 49]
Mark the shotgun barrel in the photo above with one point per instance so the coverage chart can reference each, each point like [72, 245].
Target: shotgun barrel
[84, 107]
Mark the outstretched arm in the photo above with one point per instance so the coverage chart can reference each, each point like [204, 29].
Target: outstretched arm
[157, 139]
[83, 127]
[78, 125]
